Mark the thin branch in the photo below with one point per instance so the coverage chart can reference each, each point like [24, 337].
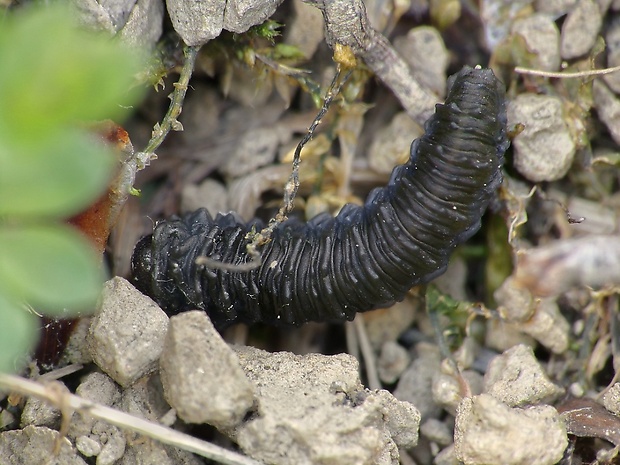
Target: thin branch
[170, 122]
[292, 185]
[56, 394]
[566, 75]
[258, 239]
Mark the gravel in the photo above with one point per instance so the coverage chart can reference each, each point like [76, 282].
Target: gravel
[545, 149]
[537, 435]
[517, 379]
[313, 409]
[214, 389]
[127, 332]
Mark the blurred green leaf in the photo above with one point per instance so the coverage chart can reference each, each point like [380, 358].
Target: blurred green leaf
[18, 334]
[57, 179]
[54, 74]
[52, 267]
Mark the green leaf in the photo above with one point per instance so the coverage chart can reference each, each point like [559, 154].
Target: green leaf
[18, 334]
[54, 74]
[52, 267]
[54, 180]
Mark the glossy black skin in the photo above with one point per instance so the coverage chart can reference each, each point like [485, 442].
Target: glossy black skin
[366, 257]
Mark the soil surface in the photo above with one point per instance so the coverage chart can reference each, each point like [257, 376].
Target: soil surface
[525, 369]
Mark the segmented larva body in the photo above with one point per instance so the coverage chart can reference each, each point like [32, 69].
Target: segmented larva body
[364, 258]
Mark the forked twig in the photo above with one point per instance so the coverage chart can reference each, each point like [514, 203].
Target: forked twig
[257, 239]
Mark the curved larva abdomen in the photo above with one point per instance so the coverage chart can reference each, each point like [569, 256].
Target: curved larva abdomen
[366, 257]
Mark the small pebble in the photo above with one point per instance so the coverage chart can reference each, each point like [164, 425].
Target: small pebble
[611, 399]
[448, 392]
[391, 145]
[415, 384]
[580, 29]
[210, 194]
[542, 38]
[127, 332]
[201, 375]
[612, 41]
[313, 408]
[555, 8]
[436, 431]
[516, 379]
[393, 360]
[608, 108]
[34, 445]
[545, 149]
[425, 52]
[39, 413]
[537, 434]
[87, 446]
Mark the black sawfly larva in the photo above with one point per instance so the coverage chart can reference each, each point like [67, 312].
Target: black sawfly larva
[364, 258]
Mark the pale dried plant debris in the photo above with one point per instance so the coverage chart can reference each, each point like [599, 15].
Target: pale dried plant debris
[592, 261]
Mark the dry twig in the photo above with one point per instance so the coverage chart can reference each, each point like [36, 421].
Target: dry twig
[66, 401]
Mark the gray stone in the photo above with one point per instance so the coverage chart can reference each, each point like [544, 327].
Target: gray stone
[256, 148]
[391, 145]
[580, 29]
[611, 399]
[112, 440]
[118, 10]
[415, 384]
[99, 388]
[389, 323]
[39, 413]
[436, 431]
[92, 14]
[447, 456]
[313, 409]
[539, 318]
[542, 38]
[608, 108]
[448, 390]
[93, 436]
[197, 21]
[544, 151]
[144, 24]
[241, 15]
[87, 446]
[392, 361]
[516, 379]
[555, 8]
[502, 335]
[201, 375]
[35, 445]
[155, 453]
[425, 52]
[145, 399]
[537, 434]
[138, 23]
[305, 31]
[77, 351]
[210, 194]
[612, 41]
[127, 332]
[497, 17]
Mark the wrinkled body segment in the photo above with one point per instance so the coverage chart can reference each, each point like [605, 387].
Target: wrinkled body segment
[364, 258]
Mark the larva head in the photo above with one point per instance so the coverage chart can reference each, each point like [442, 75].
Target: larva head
[142, 265]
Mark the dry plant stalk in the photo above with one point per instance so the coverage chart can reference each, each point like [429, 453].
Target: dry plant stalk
[56, 394]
